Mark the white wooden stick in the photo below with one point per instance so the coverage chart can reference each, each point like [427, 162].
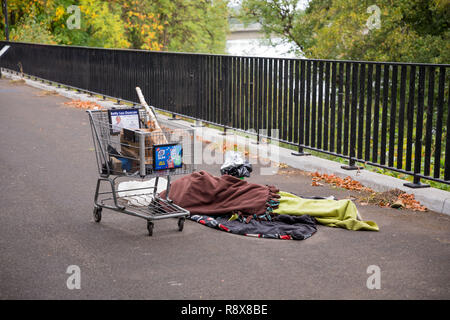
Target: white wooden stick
[151, 116]
[148, 110]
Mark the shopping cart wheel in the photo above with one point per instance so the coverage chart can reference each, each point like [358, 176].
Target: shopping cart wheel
[181, 224]
[150, 226]
[97, 214]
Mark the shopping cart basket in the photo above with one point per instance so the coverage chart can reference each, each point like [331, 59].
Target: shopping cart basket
[125, 156]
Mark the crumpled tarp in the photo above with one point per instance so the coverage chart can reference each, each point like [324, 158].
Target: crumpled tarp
[332, 213]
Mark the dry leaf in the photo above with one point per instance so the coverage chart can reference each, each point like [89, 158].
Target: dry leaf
[87, 105]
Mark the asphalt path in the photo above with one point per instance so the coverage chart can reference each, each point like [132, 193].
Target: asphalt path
[48, 170]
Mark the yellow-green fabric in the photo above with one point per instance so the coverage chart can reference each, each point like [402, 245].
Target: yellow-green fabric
[332, 213]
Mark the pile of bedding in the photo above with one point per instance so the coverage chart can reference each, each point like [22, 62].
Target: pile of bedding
[233, 205]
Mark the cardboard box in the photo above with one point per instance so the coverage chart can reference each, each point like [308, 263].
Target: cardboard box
[130, 146]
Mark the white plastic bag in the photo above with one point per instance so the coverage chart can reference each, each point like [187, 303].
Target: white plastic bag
[143, 196]
[232, 159]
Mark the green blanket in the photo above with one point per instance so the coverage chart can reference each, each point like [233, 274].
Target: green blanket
[332, 213]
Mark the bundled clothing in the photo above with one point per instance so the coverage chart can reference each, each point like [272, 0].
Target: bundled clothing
[280, 227]
[332, 213]
[237, 206]
[204, 194]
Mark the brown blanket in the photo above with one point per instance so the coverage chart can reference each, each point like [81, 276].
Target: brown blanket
[204, 194]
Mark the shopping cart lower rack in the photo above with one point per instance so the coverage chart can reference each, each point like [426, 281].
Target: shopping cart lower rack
[135, 165]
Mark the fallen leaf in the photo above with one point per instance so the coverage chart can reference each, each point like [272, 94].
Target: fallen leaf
[86, 105]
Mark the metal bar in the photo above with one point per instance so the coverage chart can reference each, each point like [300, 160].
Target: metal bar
[284, 123]
[360, 110]
[320, 107]
[255, 103]
[392, 116]
[308, 103]
[280, 98]
[439, 122]
[242, 82]
[340, 112]
[419, 127]
[252, 94]
[275, 95]
[265, 108]
[214, 80]
[301, 121]
[270, 95]
[354, 106]
[401, 117]
[238, 92]
[368, 128]
[376, 114]
[410, 115]
[347, 106]
[326, 110]
[429, 123]
[333, 106]
[295, 127]
[313, 132]
[260, 105]
[244, 114]
[290, 110]
[226, 91]
[384, 114]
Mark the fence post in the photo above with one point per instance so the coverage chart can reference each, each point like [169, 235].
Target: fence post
[198, 124]
[416, 184]
[173, 117]
[352, 165]
[257, 138]
[300, 152]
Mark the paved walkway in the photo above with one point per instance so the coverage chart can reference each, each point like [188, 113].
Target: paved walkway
[49, 173]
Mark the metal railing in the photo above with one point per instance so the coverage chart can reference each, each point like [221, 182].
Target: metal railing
[385, 114]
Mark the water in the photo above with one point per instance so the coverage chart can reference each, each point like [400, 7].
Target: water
[260, 48]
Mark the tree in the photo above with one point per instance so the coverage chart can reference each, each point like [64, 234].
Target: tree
[46, 22]
[193, 25]
[30, 28]
[391, 30]
[170, 25]
[142, 24]
[277, 18]
[100, 24]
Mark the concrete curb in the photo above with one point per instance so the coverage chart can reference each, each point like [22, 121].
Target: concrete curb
[434, 199]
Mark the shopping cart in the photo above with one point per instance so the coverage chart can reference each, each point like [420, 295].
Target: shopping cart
[135, 164]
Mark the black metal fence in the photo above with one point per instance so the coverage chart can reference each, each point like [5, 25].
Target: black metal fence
[390, 115]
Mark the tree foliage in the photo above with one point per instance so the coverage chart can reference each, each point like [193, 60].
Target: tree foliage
[407, 30]
[175, 25]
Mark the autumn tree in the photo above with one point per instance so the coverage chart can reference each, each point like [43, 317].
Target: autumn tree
[176, 25]
[170, 25]
[142, 24]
